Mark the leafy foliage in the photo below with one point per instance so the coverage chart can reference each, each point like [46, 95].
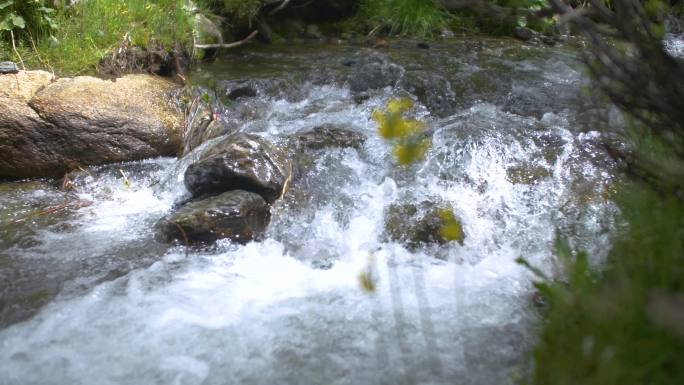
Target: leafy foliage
[238, 9]
[620, 326]
[31, 16]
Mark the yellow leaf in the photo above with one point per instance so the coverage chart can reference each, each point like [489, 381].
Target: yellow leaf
[452, 229]
[410, 152]
[399, 105]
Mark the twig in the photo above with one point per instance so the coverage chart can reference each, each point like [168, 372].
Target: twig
[45, 63]
[14, 47]
[51, 210]
[185, 236]
[279, 8]
[229, 45]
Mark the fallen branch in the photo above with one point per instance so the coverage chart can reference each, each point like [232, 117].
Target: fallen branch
[279, 8]
[229, 45]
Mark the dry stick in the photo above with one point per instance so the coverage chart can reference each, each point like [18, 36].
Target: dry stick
[45, 63]
[185, 237]
[51, 210]
[279, 8]
[14, 47]
[229, 45]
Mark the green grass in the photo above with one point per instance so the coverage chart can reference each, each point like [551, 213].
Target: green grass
[418, 18]
[93, 28]
[621, 325]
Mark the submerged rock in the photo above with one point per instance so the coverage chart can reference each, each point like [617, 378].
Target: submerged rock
[240, 162]
[416, 225]
[432, 90]
[48, 128]
[238, 215]
[327, 136]
[373, 71]
[233, 90]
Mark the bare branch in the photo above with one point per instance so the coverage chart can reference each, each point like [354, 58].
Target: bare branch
[229, 45]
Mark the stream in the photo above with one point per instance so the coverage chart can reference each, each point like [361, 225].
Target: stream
[88, 296]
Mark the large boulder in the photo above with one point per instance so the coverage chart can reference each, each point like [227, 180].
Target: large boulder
[240, 162]
[50, 127]
[238, 215]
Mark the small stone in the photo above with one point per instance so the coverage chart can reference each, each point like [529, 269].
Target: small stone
[8, 67]
[523, 34]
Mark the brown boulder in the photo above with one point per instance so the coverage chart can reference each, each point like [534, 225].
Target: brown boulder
[48, 128]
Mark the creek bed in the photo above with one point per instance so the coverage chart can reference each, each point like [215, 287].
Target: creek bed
[89, 296]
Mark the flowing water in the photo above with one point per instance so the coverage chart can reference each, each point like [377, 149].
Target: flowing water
[88, 296]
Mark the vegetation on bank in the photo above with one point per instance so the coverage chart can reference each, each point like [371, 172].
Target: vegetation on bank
[73, 37]
[624, 324]
[78, 37]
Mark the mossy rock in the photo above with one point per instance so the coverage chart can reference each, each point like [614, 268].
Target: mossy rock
[425, 223]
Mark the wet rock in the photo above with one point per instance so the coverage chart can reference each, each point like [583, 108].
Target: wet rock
[327, 136]
[205, 120]
[432, 90]
[233, 90]
[421, 224]
[238, 215]
[48, 128]
[423, 45]
[240, 162]
[523, 34]
[8, 67]
[373, 71]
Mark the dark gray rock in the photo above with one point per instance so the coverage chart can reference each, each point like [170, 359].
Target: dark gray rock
[373, 71]
[431, 89]
[238, 215]
[240, 162]
[523, 34]
[8, 67]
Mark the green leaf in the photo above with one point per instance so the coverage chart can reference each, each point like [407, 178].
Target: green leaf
[6, 4]
[17, 21]
[5, 24]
